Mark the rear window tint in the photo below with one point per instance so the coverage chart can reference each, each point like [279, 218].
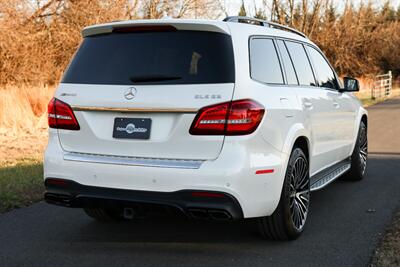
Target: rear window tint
[264, 61]
[177, 57]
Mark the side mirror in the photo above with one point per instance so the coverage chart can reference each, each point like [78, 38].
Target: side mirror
[350, 85]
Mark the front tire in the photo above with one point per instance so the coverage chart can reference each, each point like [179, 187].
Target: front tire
[288, 220]
[359, 156]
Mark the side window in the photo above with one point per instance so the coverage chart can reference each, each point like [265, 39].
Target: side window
[325, 75]
[264, 61]
[301, 63]
[287, 64]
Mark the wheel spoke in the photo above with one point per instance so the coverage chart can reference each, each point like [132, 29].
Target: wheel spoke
[364, 143]
[364, 158]
[291, 204]
[300, 214]
[297, 215]
[294, 215]
[304, 183]
[363, 148]
[300, 168]
[299, 192]
[302, 205]
[303, 198]
[302, 173]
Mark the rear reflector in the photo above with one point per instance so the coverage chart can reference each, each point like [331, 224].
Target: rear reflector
[238, 117]
[264, 171]
[61, 116]
[56, 182]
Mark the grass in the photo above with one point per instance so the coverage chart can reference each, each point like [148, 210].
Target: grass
[21, 183]
[369, 101]
[23, 136]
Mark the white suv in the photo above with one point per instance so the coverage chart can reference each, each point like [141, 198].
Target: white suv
[220, 120]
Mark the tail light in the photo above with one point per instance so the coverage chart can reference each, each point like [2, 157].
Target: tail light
[238, 117]
[61, 116]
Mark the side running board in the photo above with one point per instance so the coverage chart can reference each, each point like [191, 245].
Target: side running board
[329, 175]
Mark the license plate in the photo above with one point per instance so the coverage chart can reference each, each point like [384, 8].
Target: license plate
[132, 128]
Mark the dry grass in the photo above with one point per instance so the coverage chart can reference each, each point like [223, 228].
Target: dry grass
[24, 107]
[23, 122]
[23, 136]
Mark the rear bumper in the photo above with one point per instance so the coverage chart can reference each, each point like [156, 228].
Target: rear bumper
[197, 204]
[233, 173]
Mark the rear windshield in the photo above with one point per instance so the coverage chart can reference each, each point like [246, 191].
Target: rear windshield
[177, 57]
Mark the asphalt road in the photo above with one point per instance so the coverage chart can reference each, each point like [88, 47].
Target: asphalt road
[345, 223]
[384, 132]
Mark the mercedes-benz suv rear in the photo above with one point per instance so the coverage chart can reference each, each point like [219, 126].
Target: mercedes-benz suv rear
[123, 124]
[213, 119]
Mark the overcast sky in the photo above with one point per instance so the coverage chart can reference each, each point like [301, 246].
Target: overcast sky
[233, 6]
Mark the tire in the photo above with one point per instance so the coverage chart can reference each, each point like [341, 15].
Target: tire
[103, 215]
[359, 157]
[289, 218]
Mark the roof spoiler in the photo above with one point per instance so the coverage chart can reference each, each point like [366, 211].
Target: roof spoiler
[178, 24]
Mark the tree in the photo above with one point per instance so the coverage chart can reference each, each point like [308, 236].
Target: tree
[260, 14]
[388, 13]
[38, 37]
[398, 13]
[330, 13]
[242, 10]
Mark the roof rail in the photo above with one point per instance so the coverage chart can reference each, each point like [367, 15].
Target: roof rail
[264, 23]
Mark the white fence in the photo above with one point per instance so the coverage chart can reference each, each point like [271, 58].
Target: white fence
[382, 86]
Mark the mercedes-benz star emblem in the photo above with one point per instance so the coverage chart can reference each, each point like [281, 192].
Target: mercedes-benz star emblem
[130, 93]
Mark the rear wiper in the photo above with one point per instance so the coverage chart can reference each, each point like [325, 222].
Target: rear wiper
[152, 78]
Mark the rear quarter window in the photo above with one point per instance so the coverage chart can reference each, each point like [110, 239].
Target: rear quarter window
[264, 61]
[177, 57]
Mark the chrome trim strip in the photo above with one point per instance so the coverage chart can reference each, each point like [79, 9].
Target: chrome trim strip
[138, 110]
[330, 177]
[133, 161]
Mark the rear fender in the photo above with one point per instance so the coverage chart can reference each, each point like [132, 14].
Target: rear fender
[296, 131]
